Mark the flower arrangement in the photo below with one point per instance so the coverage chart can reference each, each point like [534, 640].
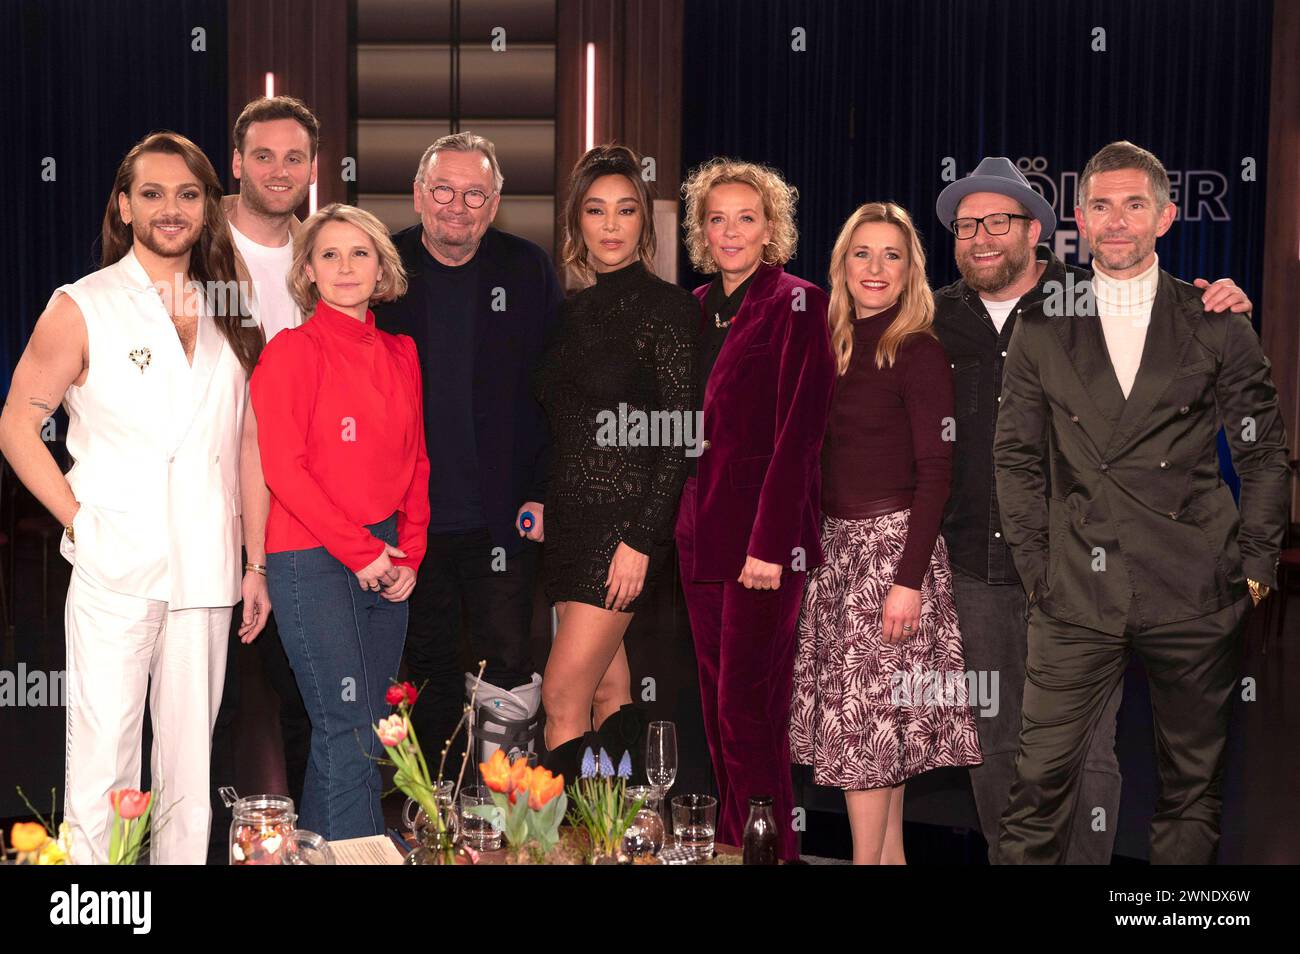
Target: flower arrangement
[528, 803]
[397, 733]
[36, 843]
[600, 803]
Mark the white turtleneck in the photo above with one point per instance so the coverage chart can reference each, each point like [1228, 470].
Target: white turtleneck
[1124, 306]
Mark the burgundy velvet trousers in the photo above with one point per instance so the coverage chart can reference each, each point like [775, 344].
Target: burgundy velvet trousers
[744, 647]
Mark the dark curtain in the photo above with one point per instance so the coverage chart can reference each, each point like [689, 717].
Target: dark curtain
[83, 80]
[889, 89]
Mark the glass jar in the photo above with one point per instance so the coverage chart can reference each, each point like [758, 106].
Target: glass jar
[261, 829]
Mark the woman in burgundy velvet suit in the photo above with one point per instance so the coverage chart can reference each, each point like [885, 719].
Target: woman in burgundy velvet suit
[749, 520]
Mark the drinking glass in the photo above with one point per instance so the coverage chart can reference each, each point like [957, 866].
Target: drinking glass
[480, 832]
[694, 823]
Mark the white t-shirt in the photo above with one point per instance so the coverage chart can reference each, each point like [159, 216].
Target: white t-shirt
[998, 311]
[272, 304]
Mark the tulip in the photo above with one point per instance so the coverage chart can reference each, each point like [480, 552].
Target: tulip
[496, 772]
[391, 731]
[394, 695]
[129, 803]
[28, 836]
[521, 778]
[411, 693]
[545, 787]
[519, 773]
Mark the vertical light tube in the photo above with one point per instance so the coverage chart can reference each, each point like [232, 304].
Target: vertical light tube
[591, 95]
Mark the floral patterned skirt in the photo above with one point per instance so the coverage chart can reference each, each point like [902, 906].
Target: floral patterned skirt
[869, 714]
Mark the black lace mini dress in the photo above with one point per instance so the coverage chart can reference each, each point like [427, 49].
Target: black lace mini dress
[618, 386]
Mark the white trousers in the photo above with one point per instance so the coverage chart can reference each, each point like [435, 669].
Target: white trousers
[120, 648]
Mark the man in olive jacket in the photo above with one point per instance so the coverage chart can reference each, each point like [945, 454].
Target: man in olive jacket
[1125, 537]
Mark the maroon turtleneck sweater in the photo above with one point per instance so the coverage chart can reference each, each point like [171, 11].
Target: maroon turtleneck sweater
[884, 447]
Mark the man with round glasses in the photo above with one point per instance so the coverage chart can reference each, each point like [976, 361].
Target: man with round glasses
[480, 306]
[998, 222]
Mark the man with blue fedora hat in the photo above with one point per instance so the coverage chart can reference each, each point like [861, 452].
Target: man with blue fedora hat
[999, 220]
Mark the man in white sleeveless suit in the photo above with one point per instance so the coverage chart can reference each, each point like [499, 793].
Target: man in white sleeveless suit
[153, 371]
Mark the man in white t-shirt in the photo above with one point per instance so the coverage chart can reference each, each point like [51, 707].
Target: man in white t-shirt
[274, 160]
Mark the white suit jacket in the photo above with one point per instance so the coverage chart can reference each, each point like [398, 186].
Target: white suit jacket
[156, 448]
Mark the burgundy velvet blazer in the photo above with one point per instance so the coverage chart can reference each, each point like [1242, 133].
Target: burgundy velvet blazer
[758, 477]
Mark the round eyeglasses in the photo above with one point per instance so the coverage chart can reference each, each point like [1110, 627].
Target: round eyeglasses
[443, 195]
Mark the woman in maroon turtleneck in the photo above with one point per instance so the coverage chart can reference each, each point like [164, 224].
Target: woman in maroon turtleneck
[879, 691]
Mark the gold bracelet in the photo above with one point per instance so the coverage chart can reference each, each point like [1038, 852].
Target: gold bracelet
[1258, 590]
[256, 567]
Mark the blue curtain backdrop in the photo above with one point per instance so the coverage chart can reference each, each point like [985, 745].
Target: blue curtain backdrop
[83, 80]
[887, 90]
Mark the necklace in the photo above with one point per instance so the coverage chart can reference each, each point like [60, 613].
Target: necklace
[719, 323]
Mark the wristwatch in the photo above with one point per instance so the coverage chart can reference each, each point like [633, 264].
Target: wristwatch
[1257, 590]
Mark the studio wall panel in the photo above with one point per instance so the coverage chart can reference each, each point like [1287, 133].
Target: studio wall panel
[400, 81]
[429, 21]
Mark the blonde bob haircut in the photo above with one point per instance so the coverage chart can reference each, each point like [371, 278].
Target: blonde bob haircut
[916, 303]
[778, 197]
[392, 276]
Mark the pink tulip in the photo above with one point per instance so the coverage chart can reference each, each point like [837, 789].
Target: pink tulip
[391, 731]
[129, 803]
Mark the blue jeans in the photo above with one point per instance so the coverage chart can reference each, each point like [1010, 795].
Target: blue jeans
[345, 645]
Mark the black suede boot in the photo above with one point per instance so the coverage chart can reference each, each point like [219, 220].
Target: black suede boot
[625, 731]
[566, 758]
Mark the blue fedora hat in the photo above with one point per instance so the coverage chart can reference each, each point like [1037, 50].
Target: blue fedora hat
[996, 174]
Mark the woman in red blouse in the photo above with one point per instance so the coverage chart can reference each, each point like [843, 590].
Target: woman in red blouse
[879, 690]
[339, 410]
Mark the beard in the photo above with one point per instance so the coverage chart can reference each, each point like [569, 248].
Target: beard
[1120, 260]
[271, 204]
[161, 246]
[1015, 259]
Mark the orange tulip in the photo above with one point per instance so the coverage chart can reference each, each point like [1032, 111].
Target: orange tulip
[544, 788]
[28, 836]
[519, 773]
[521, 779]
[496, 772]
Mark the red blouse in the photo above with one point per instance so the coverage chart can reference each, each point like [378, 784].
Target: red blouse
[340, 426]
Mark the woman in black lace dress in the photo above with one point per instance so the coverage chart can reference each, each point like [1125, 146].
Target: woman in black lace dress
[618, 390]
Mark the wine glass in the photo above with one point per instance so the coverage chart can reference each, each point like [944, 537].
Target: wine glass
[661, 758]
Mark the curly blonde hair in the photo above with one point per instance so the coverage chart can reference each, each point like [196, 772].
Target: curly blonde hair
[778, 196]
[392, 277]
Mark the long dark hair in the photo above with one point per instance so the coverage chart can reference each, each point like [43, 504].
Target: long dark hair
[609, 159]
[212, 260]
